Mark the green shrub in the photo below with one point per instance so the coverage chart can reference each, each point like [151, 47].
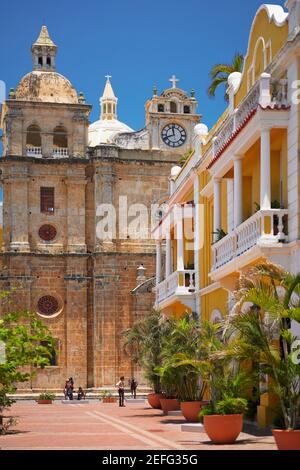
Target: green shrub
[227, 406]
[47, 396]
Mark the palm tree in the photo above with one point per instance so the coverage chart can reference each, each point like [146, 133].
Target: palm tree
[219, 74]
[273, 299]
[143, 343]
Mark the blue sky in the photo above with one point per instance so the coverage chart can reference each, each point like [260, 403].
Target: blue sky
[140, 43]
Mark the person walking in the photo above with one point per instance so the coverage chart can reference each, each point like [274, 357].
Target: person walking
[121, 390]
[133, 387]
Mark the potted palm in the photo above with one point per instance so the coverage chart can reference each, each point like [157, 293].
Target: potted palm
[181, 367]
[46, 398]
[143, 343]
[107, 397]
[228, 386]
[263, 333]
[223, 420]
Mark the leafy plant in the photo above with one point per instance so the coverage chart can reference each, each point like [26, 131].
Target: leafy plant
[24, 339]
[180, 372]
[143, 343]
[105, 394]
[275, 298]
[220, 234]
[219, 74]
[227, 406]
[185, 157]
[47, 396]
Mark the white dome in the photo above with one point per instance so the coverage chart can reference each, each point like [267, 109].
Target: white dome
[104, 130]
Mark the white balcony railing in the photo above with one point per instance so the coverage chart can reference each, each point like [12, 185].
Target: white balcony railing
[34, 151]
[266, 227]
[60, 152]
[179, 283]
[277, 92]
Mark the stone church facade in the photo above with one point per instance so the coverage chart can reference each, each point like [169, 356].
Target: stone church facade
[57, 169]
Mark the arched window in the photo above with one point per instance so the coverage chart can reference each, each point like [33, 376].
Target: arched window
[173, 107]
[48, 61]
[186, 109]
[33, 141]
[40, 61]
[60, 141]
[161, 108]
[109, 108]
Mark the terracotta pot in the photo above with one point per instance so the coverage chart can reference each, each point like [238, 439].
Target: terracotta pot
[223, 429]
[153, 400]
[109, 400]
[169, 404]
[191, 410]
[44, 402]
[287, 440]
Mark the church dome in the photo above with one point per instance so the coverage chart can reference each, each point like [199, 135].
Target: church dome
[104, 130]
[44, 84]
[48, 87]
[107, 127]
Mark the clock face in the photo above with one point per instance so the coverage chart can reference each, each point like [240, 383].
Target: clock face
[173, 135]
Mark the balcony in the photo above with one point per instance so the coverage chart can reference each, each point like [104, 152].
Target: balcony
[266, 228]
[267, 93]
[179, 286]
[60, 152]
[34, 151]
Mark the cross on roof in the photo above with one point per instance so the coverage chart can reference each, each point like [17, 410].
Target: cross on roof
[174, 80]
[108, 77]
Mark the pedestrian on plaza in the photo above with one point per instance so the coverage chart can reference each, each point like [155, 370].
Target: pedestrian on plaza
[133, 387]
[121, 390]
[80, 394]
[66, 390]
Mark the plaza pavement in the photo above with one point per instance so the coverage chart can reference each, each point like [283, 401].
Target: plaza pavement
[97, 426]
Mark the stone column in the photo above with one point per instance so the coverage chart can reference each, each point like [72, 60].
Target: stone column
[265, 170]
[180, 238]
[158, 262]
[238, 191]
[19, 210]
[76, 215]
[217, 205]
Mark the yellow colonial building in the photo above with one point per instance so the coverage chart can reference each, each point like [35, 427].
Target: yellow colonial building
[235, 202]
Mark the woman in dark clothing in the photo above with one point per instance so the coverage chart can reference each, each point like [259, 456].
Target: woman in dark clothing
[133, 387]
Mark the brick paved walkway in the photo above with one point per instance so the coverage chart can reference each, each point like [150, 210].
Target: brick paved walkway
[108, 427]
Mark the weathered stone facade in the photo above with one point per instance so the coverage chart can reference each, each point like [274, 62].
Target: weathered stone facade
[93, 282]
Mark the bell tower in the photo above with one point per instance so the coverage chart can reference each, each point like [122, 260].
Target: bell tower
[108, 102]
[171, 118]
[44, 52]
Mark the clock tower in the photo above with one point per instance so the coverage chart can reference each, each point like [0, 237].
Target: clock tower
[171, 118]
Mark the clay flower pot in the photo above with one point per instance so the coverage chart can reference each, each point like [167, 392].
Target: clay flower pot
[287, 440]
[191, 410]
[44, 402]
[109, 400]
[154, 400]
[223, 429]
[169, 404]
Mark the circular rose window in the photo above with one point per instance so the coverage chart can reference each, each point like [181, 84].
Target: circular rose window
[47, 232]
[48, 305]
